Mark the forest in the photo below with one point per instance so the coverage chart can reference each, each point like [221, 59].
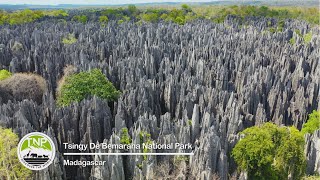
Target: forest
[239, 83]
[178, 15]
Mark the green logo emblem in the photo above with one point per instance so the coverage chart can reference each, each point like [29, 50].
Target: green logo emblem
[36, 151]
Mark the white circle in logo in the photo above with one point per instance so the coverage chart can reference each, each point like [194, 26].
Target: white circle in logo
[36, 151]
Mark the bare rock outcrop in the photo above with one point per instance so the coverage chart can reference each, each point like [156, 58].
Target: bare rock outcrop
[200, 83]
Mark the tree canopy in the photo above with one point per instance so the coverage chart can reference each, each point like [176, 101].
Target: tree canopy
[78, 86]
[271, 152]
[312, 124]
[177, 15]
[10, 167]
[27, 16]
[4, 74]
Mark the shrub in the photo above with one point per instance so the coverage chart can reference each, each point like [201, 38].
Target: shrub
[298, 32]
[69, 40]
[77, 87]
[271, 152]
[180, 20]
[145, 138]
[316, 177]
[126, 18]
[103, 19]
[281, 24]
[56, 13]
[150, 17]
[24, 86]
[82, 18]
[139, 166]
[289, 157]
[4, 74]
[292, 41]
[132, 9]
[272, 30]
[186, 8]
[10, 167]
[124, 136]
[307, 37]
[312, 124]
[220, 13]
[178, 159]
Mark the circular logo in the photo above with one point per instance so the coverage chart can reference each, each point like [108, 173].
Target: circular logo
[36, 151]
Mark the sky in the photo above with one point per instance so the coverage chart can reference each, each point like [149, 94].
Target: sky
[55, 2]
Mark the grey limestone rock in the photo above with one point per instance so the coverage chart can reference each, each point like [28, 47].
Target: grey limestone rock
[223, 77]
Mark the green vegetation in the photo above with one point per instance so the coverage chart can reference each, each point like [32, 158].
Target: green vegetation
[150, 17]
[271, 152]
[120, 21]
[81, 18]
[126, 18]
[133, 10]
[190, 122]
[179, 159]
[27, 16]
[124, 136]
[103, 20]
[316, 177]
[179, 16]
[77, 87]
[292, 41]
[69, 40]
[218, 13]
[4, 74]
[176, 15]
[312, 124]
[298, 32]
[10, 167]
[186, 8]
[56, 13]
[145, 137]
[139, 166]
[307, 37]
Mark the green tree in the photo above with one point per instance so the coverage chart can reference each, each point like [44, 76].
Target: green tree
[254, 153]
[103, 19]
[4, 74]
[124, 136]
[307, 37]
[126, 18]
[289, 159]
[270, 152]
[133, 9]
[186, 8]
[77, 87]
[150, 17]
[69, 40]
[56, 13]
[312, 124]
[82, 18]
[180, 20]
[10, 167]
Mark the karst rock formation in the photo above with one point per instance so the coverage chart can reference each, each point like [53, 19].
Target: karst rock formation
[200, 83]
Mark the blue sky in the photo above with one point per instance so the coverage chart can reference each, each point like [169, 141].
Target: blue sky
[53, 2]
